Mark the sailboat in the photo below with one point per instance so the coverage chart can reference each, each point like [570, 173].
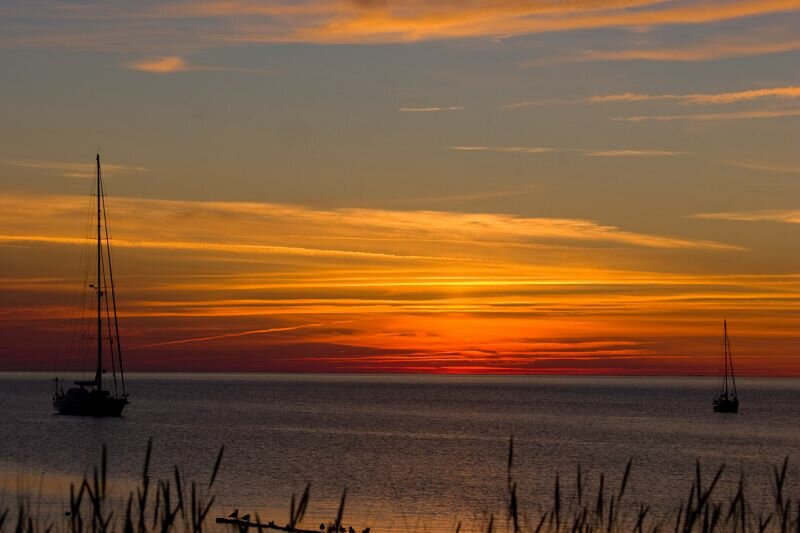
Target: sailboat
[727, 401]
[93, 397]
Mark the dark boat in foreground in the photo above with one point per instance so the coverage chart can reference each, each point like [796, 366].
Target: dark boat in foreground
[90, 398]
[727, 401]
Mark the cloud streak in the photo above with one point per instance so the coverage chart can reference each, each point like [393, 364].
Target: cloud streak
[787, 216]
[504, 149]
[161, 65]
[280, 222]
[769, 167]
[731, 97]
[582, 151]
[704, 98]
[77, 170]
[429, 109]
[632, 153]
[704, 51]
[336, 21]
[175, 64]
[706, 117]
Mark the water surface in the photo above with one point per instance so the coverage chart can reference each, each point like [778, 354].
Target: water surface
[414, 452]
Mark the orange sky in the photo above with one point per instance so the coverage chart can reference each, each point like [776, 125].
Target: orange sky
[407, 186]
[276, 287]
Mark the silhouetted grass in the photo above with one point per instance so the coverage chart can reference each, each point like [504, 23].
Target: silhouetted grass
[172, 506]
[608, 511]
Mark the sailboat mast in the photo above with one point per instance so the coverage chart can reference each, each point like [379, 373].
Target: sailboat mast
[730, 362]
[98, 377]
[725, 348]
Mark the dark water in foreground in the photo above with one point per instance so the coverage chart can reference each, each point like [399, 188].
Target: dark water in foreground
[415, 453]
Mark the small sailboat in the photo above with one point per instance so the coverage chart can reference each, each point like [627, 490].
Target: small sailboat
[92, 397]
[727, 401]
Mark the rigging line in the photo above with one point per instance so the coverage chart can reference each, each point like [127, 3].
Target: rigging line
[80, 331]
[87, 258]
[724, 358]
[110, 335]
[733, 376]
[76, 349]
[76, 316]
[113, 292]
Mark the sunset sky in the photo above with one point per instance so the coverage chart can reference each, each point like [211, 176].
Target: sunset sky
[459, 186]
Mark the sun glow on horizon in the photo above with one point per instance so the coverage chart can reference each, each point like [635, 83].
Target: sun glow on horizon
[509, 298]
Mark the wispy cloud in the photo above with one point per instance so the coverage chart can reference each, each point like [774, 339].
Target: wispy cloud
[211, 246]
[532, 103]
[161, 65]
[703, 51]
[414, 21]
[429, 109]
[730, 97]
[703, 117]
[270, 228]
[174, 64]
[76, 170]
[465, 197]
[632, 153]
[703, 98]
[162, 25]
[789, 216]
[769, 167]
[504, 149]
[582, 151]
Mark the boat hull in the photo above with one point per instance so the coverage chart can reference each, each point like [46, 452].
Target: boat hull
[726, 406]
[91, 404]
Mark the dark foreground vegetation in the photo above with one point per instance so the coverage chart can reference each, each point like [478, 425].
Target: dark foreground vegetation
[173, 506]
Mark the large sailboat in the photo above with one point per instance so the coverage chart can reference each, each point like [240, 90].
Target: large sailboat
[93, 397]
[727, 401]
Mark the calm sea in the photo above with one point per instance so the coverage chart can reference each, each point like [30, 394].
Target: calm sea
[414, 452]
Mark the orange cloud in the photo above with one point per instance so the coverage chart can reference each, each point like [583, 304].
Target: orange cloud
[173, 64]
[429, 109]
[161, 65]
[420, 291]
[583, 151]
[358, 226]
[790, 216]
[631, 153]
[704, 98]
[414, 20]
[704, 117]
[339, 21]
[504, 149]
[704, 51]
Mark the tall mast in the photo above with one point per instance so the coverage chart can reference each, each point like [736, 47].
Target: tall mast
[725, 347]
[730, 361]
[98, 377]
